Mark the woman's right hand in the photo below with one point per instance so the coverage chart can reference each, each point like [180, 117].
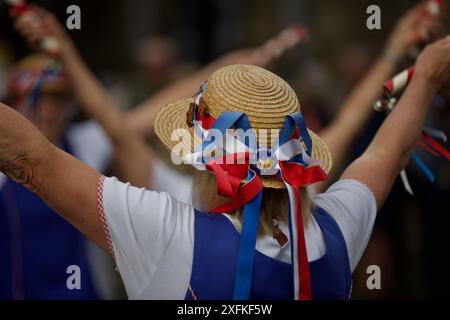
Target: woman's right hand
[433, 64]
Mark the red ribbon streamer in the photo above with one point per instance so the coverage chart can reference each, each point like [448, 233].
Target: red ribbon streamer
[433, 143]
[229, 178]
[206, 119]
[298, 176]
[427, 148]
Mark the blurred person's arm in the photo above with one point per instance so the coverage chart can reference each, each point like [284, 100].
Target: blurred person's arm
[394, 142]
[356, 110]
[132, 156]
[141, 117]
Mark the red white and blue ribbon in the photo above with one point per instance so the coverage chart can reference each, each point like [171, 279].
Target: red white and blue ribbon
[238, 165]
[393, 87]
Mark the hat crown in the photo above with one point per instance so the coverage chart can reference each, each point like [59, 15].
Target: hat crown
[264, 97]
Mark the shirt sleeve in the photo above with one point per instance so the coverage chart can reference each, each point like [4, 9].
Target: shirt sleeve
[352, 205]
[151, 235]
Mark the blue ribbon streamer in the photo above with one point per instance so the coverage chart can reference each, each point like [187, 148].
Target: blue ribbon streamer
[35, 92]
[224, 122]
[423, 167]
[249, 234]
[293, 121]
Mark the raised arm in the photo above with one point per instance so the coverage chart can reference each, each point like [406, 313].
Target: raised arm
[392, 146]
[132, 156]
[142, 117]
[356, 110]
[67, 185]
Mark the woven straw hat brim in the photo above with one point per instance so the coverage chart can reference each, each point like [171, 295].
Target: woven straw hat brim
[173, 117]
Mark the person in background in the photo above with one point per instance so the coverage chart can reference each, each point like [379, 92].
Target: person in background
[37, 246]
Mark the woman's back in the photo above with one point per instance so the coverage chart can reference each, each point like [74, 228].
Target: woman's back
[158, 240]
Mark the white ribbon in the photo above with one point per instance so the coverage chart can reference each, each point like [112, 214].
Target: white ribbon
[405, 181]
[233, 145]
[435, 133]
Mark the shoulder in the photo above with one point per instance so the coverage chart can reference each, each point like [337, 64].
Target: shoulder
[346, 195]
[352, 206]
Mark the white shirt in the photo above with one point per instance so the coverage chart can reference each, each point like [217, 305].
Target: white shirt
[153, 234]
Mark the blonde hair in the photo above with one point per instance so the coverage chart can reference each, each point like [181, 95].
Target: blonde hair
[275, 203]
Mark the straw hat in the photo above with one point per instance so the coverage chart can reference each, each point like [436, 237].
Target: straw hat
[264, 97]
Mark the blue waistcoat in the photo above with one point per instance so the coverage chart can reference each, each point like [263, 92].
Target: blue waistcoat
[36, 247]
[216, 249]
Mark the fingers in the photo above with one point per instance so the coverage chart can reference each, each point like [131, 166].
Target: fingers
[44, 15]
[436, 57]
[428, 17]
[40, 29]
[415, 13]
[30, 27]
[430, 29]
[434, 8]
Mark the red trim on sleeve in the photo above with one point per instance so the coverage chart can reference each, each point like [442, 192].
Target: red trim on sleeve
[101, 214]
